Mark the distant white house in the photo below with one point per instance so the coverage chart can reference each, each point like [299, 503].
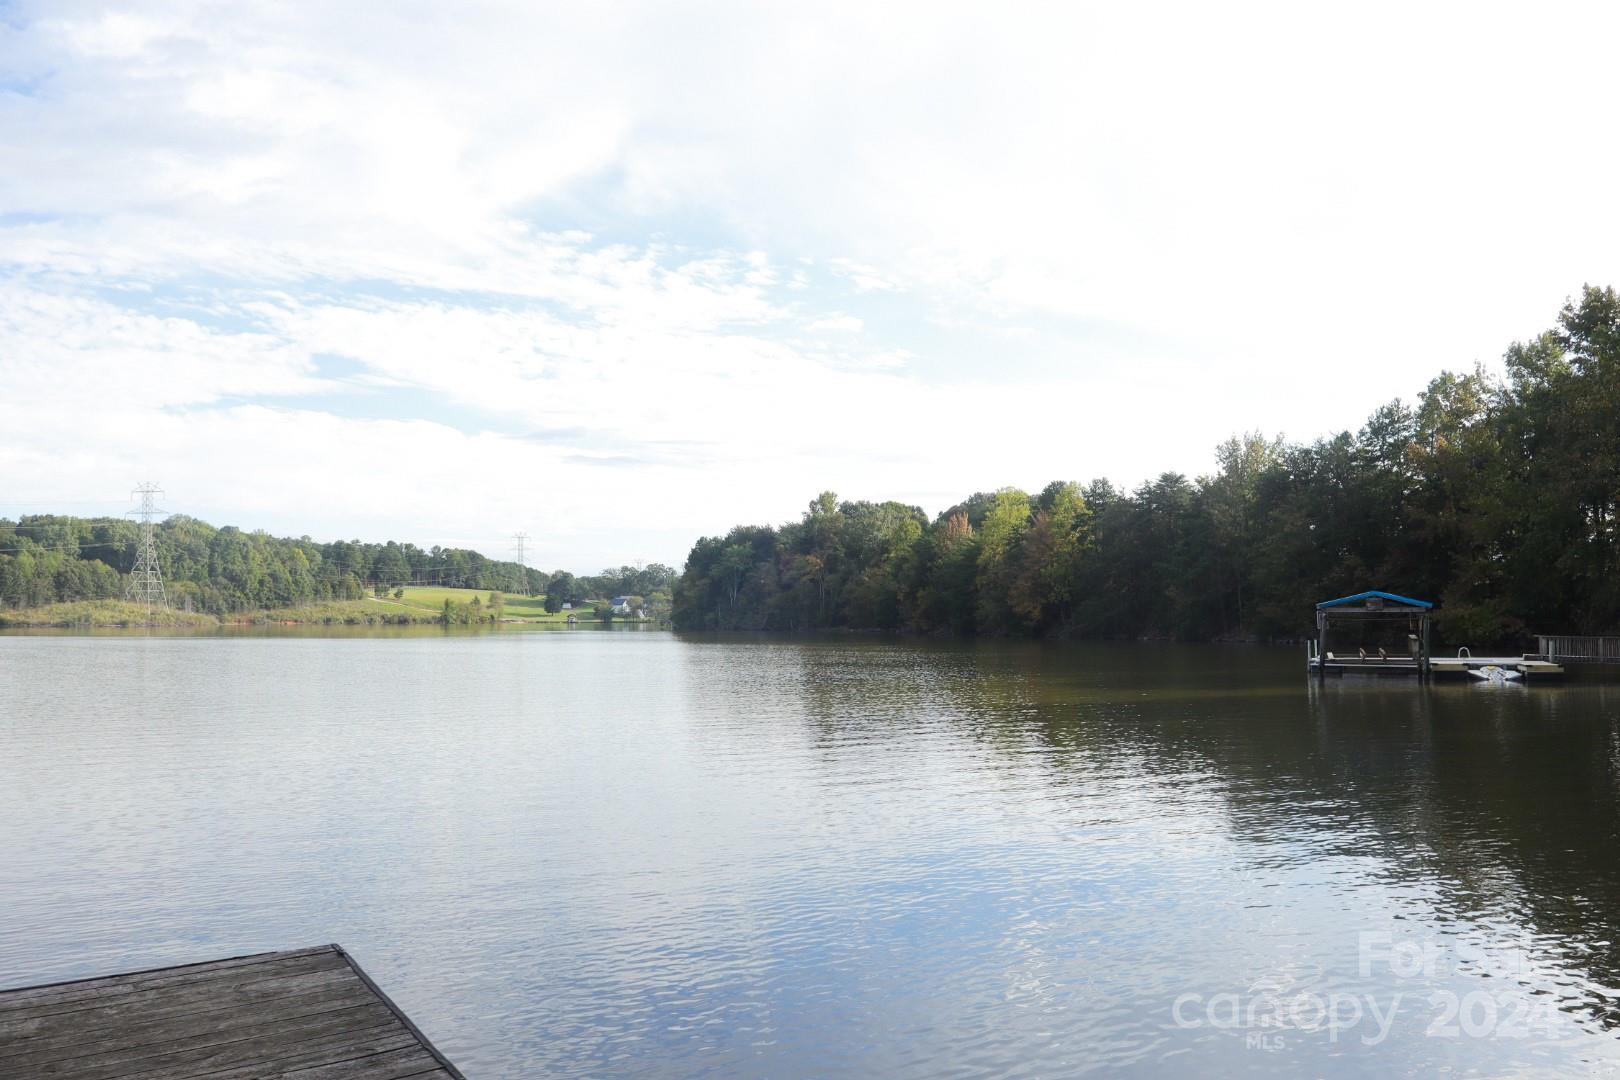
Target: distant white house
[621, 605]
[567, 606]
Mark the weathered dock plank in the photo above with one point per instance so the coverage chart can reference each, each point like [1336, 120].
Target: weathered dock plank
[307, 1014]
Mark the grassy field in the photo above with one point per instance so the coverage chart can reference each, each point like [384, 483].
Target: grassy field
[418, 605]
[104, 613]
[526, 608]
[341, 612]
[115, 613]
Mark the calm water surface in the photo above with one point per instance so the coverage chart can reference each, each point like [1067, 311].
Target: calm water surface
[596, 854]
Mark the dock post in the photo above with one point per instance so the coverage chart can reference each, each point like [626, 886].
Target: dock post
[1423, 661]
[1321, 645]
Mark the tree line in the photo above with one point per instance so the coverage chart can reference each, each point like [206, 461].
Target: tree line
[48, 559]
[1498, 497]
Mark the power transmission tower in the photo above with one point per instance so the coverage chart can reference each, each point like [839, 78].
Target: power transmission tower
[146, 580]
[523, 568]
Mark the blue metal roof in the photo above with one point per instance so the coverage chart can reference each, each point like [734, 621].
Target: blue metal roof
[1374, 592]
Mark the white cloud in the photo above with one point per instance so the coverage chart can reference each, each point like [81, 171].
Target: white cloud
[837, 324]
[904, 250]
[609, 439]
[64, 355]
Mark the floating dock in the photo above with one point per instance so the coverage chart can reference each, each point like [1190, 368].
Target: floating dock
[1531, 667]
[310, 1014]
[1440, 667]
[1375, 609]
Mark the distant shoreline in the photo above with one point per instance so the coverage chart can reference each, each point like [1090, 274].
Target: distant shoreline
[120, 614]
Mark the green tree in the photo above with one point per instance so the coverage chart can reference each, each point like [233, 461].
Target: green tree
[1000, 538]
[1042, 586]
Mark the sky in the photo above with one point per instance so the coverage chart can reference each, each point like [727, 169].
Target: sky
[621, 275]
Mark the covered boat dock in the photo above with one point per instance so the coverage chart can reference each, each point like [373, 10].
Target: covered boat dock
[1332, 651]
[1384, 611]
[1345, 627]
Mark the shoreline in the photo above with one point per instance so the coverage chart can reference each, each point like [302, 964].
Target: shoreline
[123, 615]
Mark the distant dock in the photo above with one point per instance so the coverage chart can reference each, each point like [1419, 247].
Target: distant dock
[1380, 613]
[310, 1014]
[1440, 667]
[1531, 667]
[1376, 609]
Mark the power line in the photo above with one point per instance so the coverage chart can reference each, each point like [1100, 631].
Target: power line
[518, 539]
[146, 580]
[63, 550]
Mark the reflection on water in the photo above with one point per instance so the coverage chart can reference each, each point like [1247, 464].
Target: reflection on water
[641, 854]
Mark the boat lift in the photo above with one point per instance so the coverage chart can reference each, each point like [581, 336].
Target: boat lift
[1376, 606]
[1372, 606]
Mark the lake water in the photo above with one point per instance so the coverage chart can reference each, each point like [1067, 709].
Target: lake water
[639, 854]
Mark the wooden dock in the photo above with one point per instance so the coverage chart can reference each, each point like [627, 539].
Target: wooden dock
[310, 1014]
[1439, 667]
[1530, 667]
[1397, 666]
[1366, 612]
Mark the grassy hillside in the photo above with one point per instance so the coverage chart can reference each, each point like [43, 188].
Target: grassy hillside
[341, 612]
[418, 605]
[105, 613]
[81, 614]
[432, 598]
[524, 608]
